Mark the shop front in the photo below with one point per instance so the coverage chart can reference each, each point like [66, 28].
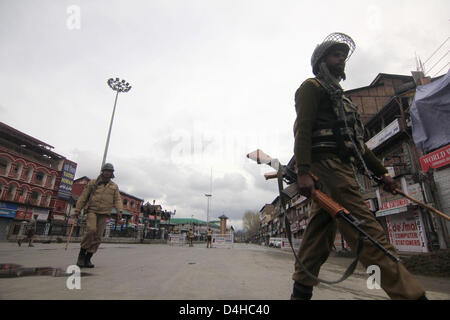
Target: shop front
[7, 214]
[402, 220]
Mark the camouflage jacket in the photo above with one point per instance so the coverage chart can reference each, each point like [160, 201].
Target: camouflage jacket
[103, 198]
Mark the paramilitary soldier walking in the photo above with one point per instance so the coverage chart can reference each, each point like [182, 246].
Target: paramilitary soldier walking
[191, 237]
[100, 195]
[30, 230]
[329, 143]
[208, 238]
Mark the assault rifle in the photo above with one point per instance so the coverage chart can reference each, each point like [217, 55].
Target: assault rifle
[333, 208]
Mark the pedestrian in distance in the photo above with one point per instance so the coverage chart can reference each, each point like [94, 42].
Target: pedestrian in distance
[329, 144]
[208, 238]
[191, 237]
[99, 197]
[30, 230]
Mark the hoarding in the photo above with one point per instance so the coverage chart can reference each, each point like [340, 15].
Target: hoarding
[67, 177]
[8, 210]
[436, 159]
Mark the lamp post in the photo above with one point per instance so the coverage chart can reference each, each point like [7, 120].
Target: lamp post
[118, 86]
[208, 196]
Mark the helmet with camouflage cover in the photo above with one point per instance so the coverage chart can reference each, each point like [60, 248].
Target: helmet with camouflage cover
[334, 40]
[108, 166]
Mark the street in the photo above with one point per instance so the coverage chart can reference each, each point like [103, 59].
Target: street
[163, 272]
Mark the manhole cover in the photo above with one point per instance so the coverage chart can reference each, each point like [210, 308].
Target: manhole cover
[192, 262]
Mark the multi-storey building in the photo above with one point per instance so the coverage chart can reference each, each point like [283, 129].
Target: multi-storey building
[34, 180]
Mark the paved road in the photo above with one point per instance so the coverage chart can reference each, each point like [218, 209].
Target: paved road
[162, 272]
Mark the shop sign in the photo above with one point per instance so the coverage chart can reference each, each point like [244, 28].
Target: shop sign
[406, 232]
[8, 210]
[370, 204]
[388, 132]
[42, 214]
[436, 159]
[58, 217]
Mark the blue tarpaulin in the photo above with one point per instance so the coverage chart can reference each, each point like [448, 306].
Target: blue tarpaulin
[430, 114]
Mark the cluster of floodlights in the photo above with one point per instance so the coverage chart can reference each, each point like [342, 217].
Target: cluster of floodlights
[118, 85]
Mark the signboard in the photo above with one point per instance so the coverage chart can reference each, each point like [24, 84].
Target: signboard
[22, 215]
[67, 177]
[391, 204]
[222, 240]
[371, 205]
[58, 217]
[8, 210]
[436, 159]
[176, 239]
[388, 132]
[406, 232]
[42, 214]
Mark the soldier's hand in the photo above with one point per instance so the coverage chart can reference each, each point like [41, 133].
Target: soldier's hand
[389, 184]
[76, 214]
[306, 185]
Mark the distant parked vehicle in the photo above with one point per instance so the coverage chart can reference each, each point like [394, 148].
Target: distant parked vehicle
[275, 242]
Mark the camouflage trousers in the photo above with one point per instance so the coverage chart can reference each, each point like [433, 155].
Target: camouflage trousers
[96, 224]
[338, 181]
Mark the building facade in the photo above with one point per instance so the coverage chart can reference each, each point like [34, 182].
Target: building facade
[34, 180]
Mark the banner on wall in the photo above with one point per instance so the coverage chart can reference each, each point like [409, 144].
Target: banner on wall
[8, 210]
[67, 177]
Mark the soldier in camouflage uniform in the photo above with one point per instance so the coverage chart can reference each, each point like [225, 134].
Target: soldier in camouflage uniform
[191, 237]
[329, 143]
[208, 238]
[30, 230]
[100, 196]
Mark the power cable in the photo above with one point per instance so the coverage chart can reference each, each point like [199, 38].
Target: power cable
[441, 69]
[438, 61]
[436, 50]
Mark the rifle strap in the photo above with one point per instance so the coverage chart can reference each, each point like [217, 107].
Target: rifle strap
[359, 247]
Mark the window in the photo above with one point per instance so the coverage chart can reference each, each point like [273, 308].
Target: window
[11, 193]
[29, 174]
[47, 200]
[18, 170]
[39, 179]
[35, 197]
[125, 202]
[23, 195]
[4, 165]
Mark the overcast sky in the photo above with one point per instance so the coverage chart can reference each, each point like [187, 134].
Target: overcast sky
[212, 80]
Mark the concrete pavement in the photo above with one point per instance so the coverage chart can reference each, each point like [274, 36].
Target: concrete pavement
[162, 272]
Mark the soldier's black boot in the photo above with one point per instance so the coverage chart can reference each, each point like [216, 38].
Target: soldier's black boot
[81, 258]
[301, 292]
[87, 260]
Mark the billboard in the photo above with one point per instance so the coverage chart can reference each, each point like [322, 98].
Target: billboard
[67, 177]
[8, 210]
